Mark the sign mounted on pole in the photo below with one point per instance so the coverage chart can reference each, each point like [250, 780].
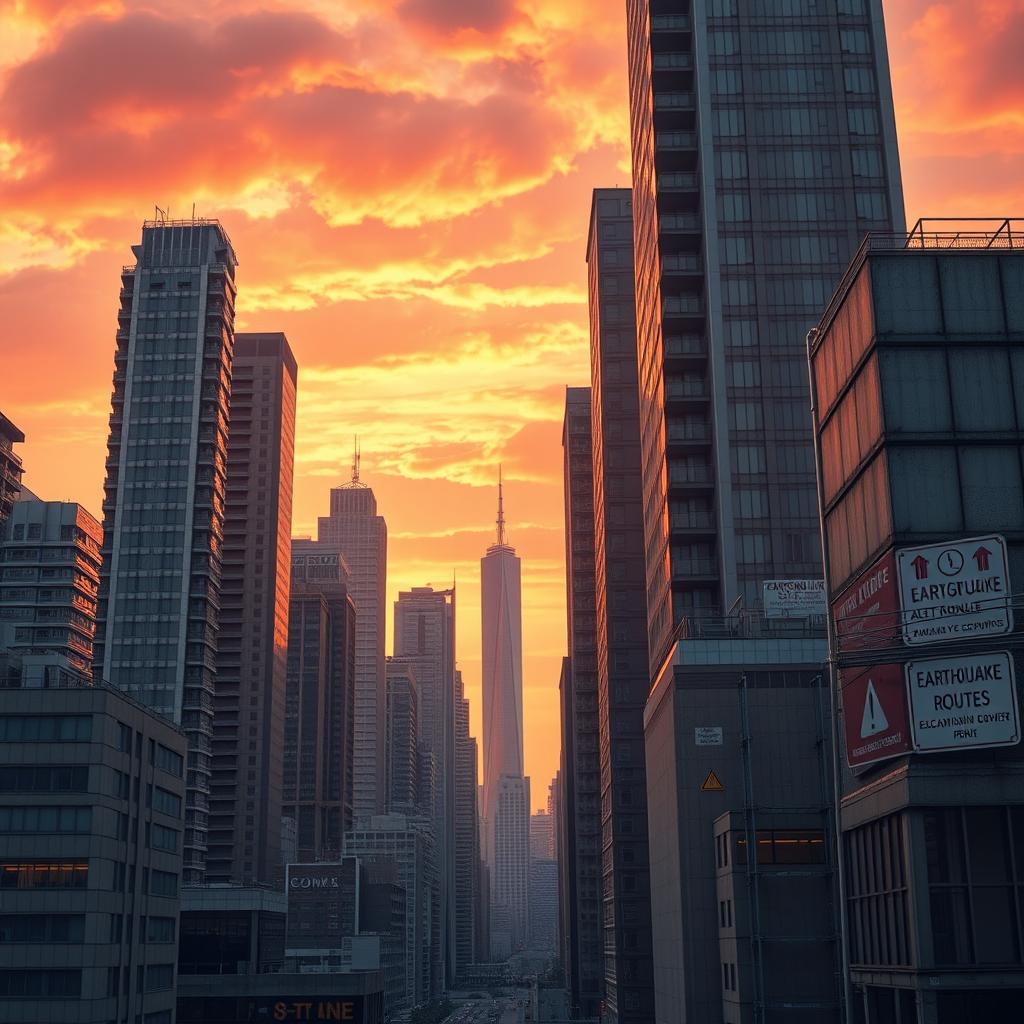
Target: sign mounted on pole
[963, 703]
[954, 591]
[875, 721]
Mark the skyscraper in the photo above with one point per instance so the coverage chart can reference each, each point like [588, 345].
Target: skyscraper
[502, 657]
[425, 633]
[506, 794]
[622, 663]
[10, 466]
[362, 537]
[581, 769]
[764, 147]
[467, 836]
[252, 650]
[319, 699]
[402, 737]
[163, 518]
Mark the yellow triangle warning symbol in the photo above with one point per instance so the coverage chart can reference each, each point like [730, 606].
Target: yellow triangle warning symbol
[712, 784]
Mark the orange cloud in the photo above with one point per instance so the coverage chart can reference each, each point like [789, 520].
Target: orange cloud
[407, 183]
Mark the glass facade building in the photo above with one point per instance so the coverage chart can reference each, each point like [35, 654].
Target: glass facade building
[163, 503]
[764, 147]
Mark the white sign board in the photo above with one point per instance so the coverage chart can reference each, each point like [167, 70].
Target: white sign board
[793, 599]
[963, 702]
[707, 735]
[954, 591]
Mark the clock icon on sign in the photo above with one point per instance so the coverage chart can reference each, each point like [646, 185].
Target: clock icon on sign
[950, 562]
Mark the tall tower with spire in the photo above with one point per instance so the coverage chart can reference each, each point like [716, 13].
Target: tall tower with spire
[355, 528]
[506, 791]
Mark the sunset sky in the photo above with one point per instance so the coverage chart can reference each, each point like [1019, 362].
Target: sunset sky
[407, 184]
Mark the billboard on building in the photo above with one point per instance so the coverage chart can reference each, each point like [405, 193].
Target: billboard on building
[323, 905]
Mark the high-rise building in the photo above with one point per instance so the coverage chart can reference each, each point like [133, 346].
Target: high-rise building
[502, 657]
[50, 552]
[319, 697]
[355, 528]
[542, 836]
[621, 609]
[93, 792]
[580, 866]
[764, 147]
[407, 843]
[402, 737]
[505, 813]
[918, 392]
[10, 466]
[510, 874]
[467, 836]
[425, 634]
[163, 502]
[543, 904]
[252, 649]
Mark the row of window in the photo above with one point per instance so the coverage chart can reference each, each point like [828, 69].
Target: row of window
[74, 820]
[45, 728]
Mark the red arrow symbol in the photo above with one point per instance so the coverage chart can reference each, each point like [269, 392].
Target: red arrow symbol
[981, 556]
[920, 565]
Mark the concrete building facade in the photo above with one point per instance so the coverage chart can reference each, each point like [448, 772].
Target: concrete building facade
[92, 786]
[921, 351]
[252, 648]
[355, 528]
[319, 701]
[163, 503]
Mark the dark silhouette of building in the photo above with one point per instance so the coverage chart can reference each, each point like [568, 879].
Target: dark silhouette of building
[622, 663]
[163, 501]
[355, 528]
[581, 748]
[402, 737]
[11, 468]
[318, 726]
[425, 633]
[252, 649]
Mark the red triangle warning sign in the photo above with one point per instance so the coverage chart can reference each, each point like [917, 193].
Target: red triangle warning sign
[712, 784]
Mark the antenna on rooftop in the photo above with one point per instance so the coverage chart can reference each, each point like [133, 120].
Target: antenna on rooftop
[355, 459]
[500, 522]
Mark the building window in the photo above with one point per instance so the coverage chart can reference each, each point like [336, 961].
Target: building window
[29, 984]
[45, 819]
[168, 761]
[55, 928]
[44, 779]
[45, 728]
[159, 977]
[775, 846]
[877, 893]
[164, 883]
[976, 883]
